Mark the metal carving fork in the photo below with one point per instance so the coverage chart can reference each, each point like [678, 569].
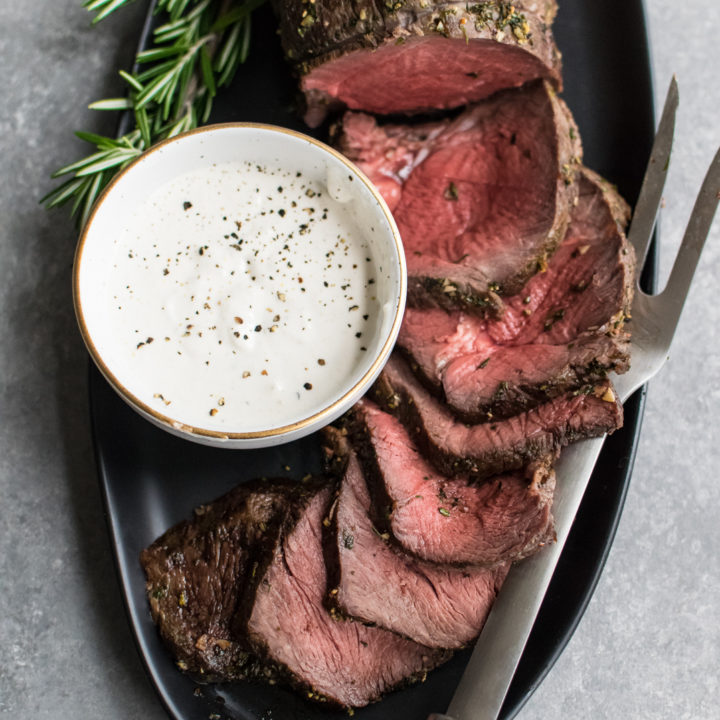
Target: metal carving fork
[483, 687]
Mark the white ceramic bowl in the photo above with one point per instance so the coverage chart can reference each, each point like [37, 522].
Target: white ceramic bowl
[118, 272]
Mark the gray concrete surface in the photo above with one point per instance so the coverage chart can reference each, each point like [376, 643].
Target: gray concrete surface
[649, 644]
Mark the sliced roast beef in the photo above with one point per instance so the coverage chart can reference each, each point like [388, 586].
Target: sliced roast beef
[455, 357]
[413, 56]
[373, 581]
[342, 661]
[482, 201]
[196, 572]
[561, 331]
[510, 380]
[589, 284]
[490, 448]
[449, 520]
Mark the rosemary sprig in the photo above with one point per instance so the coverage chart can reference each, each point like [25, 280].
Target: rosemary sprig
[195, 51]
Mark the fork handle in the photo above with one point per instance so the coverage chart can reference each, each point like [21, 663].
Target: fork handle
[486, 680]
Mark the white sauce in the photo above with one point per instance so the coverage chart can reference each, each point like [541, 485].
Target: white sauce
[242, 297]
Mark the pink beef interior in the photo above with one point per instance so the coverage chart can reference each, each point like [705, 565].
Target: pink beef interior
[558, 332]
[435, 605]
[483, 194]
[450, 520]
[588, 280]
[435, 338]
[476, 198]
[472, 381]
[490, 448]
[346, 661]
[423, 73]
[584, 285]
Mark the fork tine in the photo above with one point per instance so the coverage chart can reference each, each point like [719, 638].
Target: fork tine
[671, 300]
[646, 208]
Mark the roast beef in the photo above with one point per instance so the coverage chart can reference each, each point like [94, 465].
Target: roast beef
[511, 380]
[455, 357]
[341, 661]
[589, 286]
[449, 520]
[481, 201]
[408, 56]
[197, 570]
[494, 447]
[373, 581]
[562, 331]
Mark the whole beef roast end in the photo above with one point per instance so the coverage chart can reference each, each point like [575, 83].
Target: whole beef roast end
[414, 56]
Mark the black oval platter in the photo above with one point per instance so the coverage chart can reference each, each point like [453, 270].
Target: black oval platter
[150, 480]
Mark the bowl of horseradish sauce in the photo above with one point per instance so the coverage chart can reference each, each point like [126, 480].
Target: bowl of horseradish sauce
[240, 285]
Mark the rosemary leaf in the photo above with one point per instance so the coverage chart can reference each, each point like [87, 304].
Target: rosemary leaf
[207, 71]
[111, 104]
[156, 54]
[102, 142]
[143, 125]
[79, 164]
[133, 82]
[63, 193]
[196, 49]
[112, 159]
[97, 183]
[104, 7]
[244, 41]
